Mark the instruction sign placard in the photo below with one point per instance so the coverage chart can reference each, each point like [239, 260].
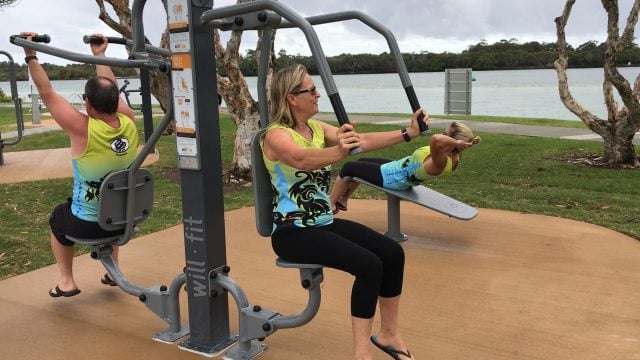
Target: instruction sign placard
[182, 84]
[178, 14]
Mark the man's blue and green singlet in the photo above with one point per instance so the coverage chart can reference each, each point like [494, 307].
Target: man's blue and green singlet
[108, 149]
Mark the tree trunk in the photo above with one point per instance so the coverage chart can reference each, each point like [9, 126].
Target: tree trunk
[619, 128]
[241, 105]
[241, 166]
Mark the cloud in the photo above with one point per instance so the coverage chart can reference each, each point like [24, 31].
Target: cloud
[418, 25]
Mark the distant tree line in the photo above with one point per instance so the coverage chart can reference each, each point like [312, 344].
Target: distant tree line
[58, 72]
[502, 55]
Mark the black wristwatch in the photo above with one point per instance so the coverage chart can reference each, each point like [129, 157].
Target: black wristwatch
[29, 58]
[405, 135]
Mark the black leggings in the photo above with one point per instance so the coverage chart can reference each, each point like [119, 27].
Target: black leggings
[375, 260]
[365, 168]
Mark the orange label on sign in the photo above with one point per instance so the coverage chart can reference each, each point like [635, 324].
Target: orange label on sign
[181, 61]
[178, 25]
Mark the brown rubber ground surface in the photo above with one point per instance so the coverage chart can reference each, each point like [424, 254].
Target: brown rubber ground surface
[502, 286]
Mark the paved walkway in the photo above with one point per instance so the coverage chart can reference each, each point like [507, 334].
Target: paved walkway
[32, 165]
[491, 127]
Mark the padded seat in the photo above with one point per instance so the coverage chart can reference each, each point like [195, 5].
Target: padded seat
[288, 264]
[112, 211]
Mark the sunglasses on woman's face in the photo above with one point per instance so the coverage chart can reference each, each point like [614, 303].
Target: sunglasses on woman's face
[313, 90]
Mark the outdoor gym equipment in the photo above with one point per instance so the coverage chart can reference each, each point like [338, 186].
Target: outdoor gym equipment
[17, 107]
[126, 200]
[422, 196]
[193, 79]
[126, 92]
[250, 16]
[145, 81]
[14, 95]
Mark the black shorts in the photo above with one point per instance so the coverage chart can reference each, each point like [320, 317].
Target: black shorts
[63, 223]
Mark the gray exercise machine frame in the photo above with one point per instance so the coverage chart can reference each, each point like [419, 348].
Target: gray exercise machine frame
[206, 271]
[163, 301]
[422, 196]
[254, 17]
[266, 15]
[17, 106]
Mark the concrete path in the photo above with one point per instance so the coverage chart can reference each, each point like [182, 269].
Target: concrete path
[20, 166]
[35, 165]
[32, 129]
[491, 127]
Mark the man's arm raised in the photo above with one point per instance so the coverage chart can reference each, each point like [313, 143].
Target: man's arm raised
[70, 120]
[104, 70]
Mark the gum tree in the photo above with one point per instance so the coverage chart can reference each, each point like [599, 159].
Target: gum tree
[7, 3]
[623, 120]
[233, 87]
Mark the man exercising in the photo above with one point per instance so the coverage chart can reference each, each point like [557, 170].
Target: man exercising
[103, 140]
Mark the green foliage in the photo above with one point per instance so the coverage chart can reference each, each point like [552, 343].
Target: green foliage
[4, 97]
[8, 121]
[58, 72]
[504, 54]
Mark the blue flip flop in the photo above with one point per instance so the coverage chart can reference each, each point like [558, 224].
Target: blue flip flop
[390, 350]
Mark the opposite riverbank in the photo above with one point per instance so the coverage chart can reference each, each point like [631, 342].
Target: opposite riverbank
[553, 128]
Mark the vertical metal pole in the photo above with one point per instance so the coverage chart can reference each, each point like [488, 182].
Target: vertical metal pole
[263, 69]
[447, 76]
[35, 102]
[468, 97]
[200, 162]
[393, 219]
[35, 108]
[145, 85]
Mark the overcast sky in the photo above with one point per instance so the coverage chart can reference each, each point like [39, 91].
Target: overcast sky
[418, 25]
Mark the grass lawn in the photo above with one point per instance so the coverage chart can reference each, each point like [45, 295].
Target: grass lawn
[517, 173]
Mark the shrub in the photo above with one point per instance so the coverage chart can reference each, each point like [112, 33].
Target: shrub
[4, 97]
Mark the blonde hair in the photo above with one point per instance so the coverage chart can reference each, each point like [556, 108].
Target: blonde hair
[462, 132]
[283, 83]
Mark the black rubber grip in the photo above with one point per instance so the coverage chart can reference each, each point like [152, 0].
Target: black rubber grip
[341, 114]
[44, 38]
[415, 105]
[97, 40]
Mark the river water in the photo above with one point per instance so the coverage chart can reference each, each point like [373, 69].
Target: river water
[517, 93]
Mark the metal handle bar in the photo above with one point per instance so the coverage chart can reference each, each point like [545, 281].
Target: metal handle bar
[90, 59]
[92, 39]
